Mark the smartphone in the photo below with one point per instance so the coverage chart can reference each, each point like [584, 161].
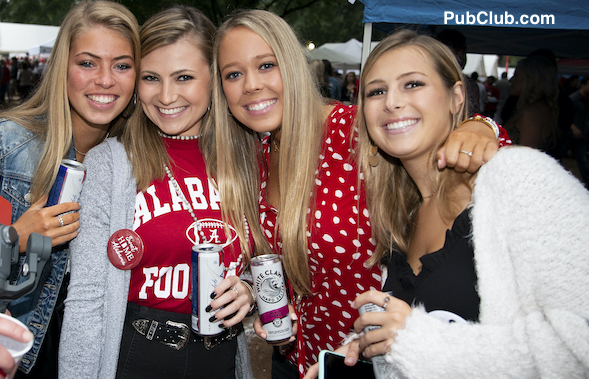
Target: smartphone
[332, 366]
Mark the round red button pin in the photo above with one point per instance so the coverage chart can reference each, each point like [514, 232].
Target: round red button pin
[125, 249]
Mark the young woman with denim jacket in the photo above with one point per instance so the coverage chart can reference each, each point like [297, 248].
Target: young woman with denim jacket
[89, 85]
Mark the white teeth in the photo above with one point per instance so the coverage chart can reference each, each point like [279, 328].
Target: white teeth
[401, 124]
[102, 99]
[260, 106]
[171, 110]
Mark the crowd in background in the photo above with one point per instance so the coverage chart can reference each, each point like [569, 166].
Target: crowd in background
[19, 77]
[391, 189]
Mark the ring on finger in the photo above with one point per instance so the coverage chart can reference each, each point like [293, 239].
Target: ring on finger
[236, 291]
[386, 302]
[469, 153]
[61, 223]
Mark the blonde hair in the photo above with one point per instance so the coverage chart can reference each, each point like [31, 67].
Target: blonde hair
[237, 168]
[141, 139]
[47, 112]
[393, 197]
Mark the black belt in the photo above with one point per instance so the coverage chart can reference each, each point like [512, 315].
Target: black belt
[173, 334]
[176, 334]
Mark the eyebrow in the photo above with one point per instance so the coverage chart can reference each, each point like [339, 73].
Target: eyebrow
[397, 78]
[177, 72]
[97, 57]
[257, 57]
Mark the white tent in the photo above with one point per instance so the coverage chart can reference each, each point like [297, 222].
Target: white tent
[345, 55]
[337, 59]
[44, 48]
[18, 38]
[484, 64]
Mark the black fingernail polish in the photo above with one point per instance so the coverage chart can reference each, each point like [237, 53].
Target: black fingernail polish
[208, 308]
[222, 326]
[230, 316]
[213, 319]
[213, 295]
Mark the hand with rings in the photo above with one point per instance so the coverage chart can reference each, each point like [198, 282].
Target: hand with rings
[376, 342]
[233, 299]
[468, 147]
[386, 302]
[59, 222]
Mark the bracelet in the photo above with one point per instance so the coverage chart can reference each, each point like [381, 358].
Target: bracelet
[249, 287]
[485, 120]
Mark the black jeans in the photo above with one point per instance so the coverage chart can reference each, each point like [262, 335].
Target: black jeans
[142, 358]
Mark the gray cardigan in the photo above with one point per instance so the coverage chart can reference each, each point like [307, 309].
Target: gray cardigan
[97, 295]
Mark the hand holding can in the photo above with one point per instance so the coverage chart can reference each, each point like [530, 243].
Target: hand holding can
[271, 297]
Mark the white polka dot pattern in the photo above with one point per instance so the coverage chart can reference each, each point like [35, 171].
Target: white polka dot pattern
[339, 245]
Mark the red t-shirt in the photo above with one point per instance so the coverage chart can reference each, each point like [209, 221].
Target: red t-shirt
[162, 279]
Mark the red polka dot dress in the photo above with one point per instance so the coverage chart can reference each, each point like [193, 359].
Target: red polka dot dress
[339, 244]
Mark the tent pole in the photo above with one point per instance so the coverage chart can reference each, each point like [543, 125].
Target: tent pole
[366, 42]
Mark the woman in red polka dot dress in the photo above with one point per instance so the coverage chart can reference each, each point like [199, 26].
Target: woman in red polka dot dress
[308, 172]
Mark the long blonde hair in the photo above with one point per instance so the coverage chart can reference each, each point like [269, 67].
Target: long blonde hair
[393, 197]
[237, 165]
[47, 112]
[141, 139]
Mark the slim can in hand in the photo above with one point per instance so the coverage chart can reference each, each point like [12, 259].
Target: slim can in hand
[68, 183]
[207, 272]
[271, 297]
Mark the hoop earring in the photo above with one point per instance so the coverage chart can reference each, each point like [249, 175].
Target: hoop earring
[132, 108]
[373, 157]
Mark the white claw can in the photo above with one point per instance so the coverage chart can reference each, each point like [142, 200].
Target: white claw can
[207, 272]
[68, 183]
[271, 297]
[370, 307]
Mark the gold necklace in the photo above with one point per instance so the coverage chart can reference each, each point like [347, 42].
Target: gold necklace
[84, 154]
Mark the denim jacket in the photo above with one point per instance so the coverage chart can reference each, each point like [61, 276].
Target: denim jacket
[20, 150]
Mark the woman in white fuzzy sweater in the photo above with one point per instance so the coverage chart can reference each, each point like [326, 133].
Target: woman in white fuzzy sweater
[503, 253]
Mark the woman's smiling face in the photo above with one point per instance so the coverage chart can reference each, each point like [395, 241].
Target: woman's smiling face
[251, 79]
[406, 105]
[175, 87]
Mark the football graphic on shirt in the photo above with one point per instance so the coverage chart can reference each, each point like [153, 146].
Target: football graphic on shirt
[214, 231]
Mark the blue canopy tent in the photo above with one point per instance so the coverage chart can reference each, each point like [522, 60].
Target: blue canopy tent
[504, 27]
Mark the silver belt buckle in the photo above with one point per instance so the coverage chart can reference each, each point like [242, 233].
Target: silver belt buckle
[183, 336]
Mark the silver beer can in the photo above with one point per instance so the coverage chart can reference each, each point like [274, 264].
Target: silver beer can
[207, 272]
[68, 183]
[271, 297]
[370, 307]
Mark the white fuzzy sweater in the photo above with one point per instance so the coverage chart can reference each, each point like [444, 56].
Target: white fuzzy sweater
[531, 246]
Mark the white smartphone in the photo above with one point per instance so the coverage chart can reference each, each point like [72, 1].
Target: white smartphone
[332, 366]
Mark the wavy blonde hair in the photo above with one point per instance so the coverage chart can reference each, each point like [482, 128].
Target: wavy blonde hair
[393, 197]
[47, 112]
[237, 164]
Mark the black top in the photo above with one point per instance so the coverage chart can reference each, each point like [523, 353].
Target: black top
[447, 280]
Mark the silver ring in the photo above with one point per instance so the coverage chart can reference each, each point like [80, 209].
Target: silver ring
[236, 291]
[386, 302]
[469, 153]
[60, 220]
